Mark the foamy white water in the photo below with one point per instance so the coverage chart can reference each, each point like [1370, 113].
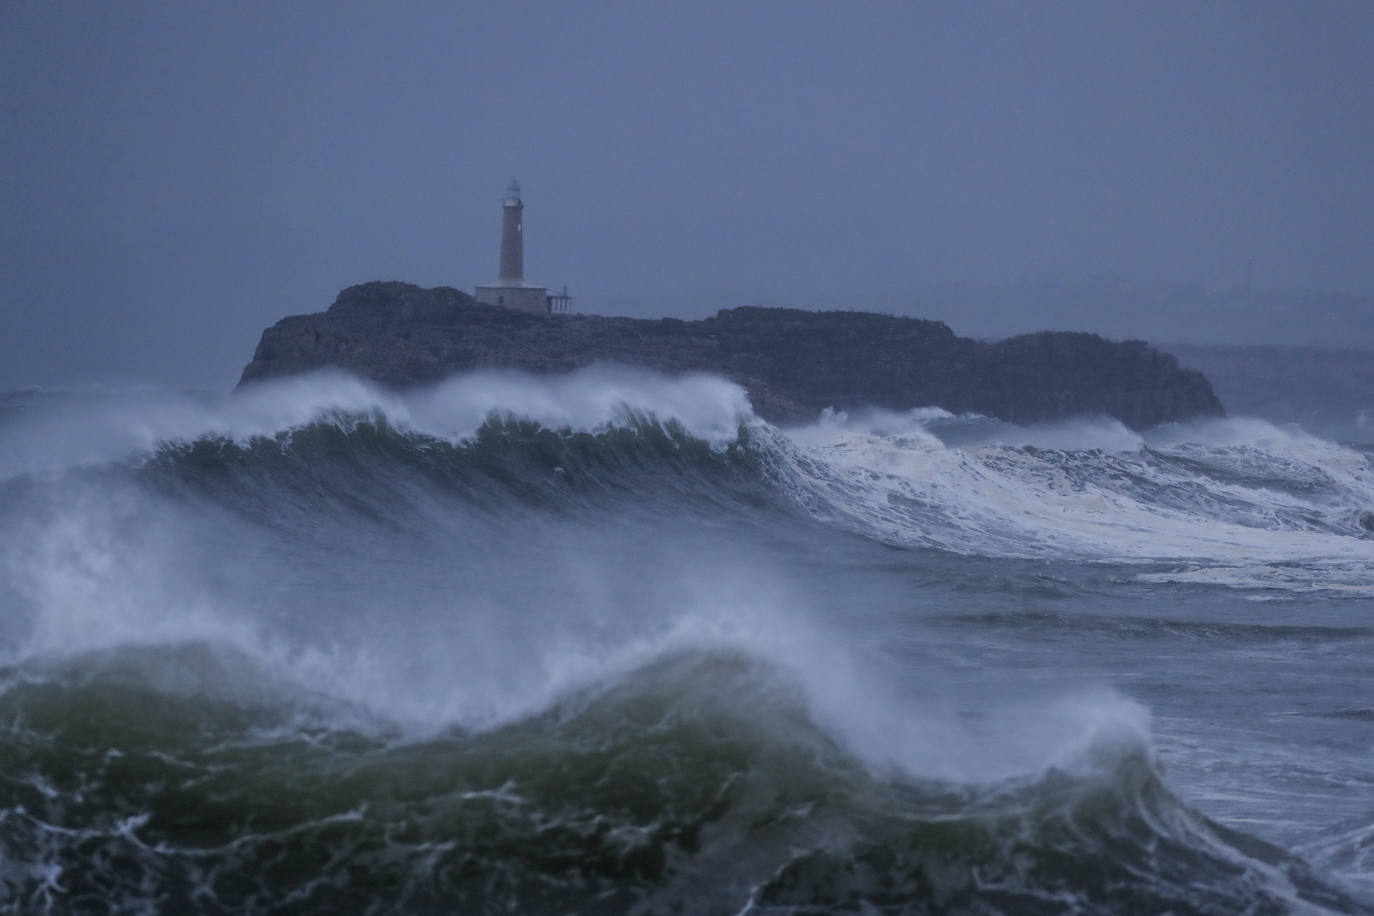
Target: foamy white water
[617, 613]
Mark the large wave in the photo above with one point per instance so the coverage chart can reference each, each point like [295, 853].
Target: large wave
[516, 643]
[698, 783]
[1214, 490]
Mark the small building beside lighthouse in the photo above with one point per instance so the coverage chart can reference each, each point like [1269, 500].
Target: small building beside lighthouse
[511, 290]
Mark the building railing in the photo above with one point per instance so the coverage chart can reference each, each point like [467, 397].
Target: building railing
[560, 302]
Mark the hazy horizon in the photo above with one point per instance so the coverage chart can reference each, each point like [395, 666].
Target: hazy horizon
[178, 178]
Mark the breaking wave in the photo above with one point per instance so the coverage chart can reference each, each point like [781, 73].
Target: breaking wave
[519, 645]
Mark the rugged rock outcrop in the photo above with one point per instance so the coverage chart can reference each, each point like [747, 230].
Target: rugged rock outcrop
[793, 363]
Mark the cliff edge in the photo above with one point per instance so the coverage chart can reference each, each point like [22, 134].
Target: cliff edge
[793, 363]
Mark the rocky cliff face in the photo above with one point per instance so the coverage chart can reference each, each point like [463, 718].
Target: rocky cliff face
[793, 363]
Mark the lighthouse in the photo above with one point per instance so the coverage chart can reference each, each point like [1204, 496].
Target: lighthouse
[512, 237]
[510, 289]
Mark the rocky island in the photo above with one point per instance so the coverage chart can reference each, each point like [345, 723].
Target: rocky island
[793, 363]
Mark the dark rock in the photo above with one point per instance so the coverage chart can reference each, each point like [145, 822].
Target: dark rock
[793, 363]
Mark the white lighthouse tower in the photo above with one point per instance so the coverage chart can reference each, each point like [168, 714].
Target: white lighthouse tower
[510, 289]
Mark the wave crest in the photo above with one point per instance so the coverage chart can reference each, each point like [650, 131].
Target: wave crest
[697, 783]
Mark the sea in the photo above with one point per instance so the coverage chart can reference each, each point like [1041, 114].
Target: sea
[608, 642]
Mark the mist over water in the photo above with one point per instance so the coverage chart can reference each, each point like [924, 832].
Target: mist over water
[610, 643]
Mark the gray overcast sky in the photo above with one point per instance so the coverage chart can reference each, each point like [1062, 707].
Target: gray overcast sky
[175, 176]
